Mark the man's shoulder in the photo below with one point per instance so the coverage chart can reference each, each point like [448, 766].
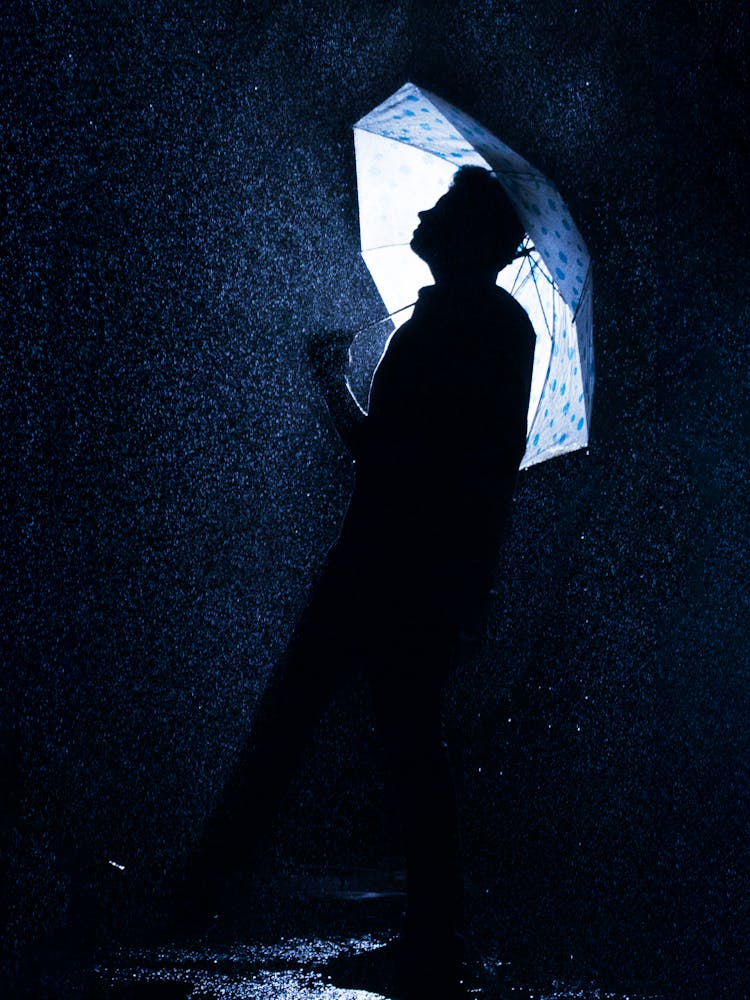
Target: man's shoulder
[510, 307]
[492, 316]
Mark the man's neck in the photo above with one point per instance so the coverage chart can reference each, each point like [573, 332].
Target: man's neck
[457, 282]
[448, 277]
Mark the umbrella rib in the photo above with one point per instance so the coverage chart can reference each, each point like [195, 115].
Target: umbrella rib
[385, 246]
[534, 267]
[524, 253]
[376, 322]
[515, 285]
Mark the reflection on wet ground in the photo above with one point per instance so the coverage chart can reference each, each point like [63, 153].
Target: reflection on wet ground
[293, 969]
[304, 935]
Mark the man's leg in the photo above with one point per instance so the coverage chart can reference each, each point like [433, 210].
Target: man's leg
[322, 647]
[407, 693]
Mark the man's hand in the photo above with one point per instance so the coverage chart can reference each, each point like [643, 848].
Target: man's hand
[328, 353]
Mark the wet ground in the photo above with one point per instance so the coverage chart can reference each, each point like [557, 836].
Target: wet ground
[297, 968]
[313, 937]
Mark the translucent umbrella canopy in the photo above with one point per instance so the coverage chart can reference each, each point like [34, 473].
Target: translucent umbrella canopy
[407, 152]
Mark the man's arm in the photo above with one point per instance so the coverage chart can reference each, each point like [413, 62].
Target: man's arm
[328, 355]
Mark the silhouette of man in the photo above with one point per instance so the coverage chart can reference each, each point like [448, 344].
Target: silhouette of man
[436, 463]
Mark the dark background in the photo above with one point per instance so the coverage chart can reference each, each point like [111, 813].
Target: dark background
[180, 213]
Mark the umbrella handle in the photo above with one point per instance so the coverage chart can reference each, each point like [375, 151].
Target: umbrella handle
[377, 322]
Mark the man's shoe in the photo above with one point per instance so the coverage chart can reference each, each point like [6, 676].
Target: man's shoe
[404, 973]
[377, 970]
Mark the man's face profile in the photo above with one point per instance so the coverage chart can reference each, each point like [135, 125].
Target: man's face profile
[471, 233]
[435, 232]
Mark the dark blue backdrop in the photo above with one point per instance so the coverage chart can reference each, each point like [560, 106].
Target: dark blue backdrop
[180, 211]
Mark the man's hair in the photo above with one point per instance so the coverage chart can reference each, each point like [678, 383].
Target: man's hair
[491, 230]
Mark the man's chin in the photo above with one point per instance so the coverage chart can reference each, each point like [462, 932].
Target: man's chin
[417, 247]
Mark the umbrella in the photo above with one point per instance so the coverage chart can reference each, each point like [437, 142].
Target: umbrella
[407, 151]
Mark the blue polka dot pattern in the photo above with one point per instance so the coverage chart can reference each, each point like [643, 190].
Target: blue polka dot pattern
[557, 273]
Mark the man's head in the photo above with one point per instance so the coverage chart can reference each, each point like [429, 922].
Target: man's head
[472, 232]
